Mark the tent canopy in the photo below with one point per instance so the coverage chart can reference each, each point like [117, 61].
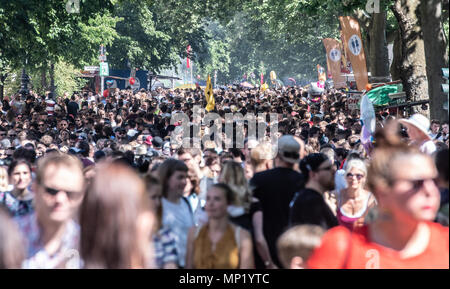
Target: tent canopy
[379, 96]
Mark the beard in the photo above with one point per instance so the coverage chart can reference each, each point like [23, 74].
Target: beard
[328, 185]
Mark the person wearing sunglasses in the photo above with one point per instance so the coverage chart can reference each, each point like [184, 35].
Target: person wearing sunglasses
[354, 202]
[403, 234]
[52, 235]
[308, 205]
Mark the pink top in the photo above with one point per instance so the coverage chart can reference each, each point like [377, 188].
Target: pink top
[349, 221]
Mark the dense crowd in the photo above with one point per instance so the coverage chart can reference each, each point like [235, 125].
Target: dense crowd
[88, 181]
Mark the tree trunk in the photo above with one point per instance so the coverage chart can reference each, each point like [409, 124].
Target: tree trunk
[379, 57]
[412, 66]
[2, 84]
[435, 53]
[397, 57]
[52, 79]
[44, 77]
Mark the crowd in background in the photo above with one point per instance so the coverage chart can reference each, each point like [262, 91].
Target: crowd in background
[88, 181]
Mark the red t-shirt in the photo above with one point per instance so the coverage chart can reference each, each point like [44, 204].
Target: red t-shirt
[336, 252]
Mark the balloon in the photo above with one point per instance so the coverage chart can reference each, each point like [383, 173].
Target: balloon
[132, 80]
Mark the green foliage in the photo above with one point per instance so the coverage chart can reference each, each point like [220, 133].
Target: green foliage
[67, 79]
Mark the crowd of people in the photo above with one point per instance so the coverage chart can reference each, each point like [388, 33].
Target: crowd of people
[88, 181]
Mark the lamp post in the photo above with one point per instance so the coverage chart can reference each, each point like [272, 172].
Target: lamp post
[24, 80]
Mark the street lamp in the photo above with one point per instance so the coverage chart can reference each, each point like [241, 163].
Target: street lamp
[24, 80]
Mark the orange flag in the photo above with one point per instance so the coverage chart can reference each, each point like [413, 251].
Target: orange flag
[334, 57]
[355, 50]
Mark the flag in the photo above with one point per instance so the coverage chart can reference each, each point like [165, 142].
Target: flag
[334, 58]
[355, 51]
[209, 95]
[262, 78]
[321, 73]
[188, 61]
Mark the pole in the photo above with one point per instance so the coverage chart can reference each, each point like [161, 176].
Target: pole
[103, 80]
[215, 78]
[192, 79]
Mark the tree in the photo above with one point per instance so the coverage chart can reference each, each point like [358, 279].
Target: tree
[412, 64]
[435, 43]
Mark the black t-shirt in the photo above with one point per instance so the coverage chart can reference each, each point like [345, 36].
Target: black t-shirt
[274, 190]
[72, 108]
[310, 208]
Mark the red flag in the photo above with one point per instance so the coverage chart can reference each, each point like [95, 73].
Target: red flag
[188, 62]
[262, 78]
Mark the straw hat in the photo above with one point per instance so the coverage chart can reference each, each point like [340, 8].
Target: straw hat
[419, 121]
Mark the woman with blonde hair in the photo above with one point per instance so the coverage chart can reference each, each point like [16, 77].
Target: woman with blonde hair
[116, 221]
[233, 175]
[353, 202]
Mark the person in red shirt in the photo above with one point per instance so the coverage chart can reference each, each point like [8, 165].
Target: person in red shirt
[403, 235]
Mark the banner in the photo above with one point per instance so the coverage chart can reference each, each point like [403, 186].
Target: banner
[321, 75]
[334, 59]
[188, 61]
[209, 95]
[355, 50]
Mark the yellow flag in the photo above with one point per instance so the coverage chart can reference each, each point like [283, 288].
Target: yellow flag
[264, 87]
[209, 95]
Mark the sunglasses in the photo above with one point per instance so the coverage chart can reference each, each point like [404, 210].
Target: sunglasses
[416, 185]
[54, 192]
[3, 134]
[12, 135]
[358, 176]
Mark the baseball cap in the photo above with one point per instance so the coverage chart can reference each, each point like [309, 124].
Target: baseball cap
[288, 149]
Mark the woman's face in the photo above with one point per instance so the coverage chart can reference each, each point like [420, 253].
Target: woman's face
[355, 178]
[413, 194]
[155, 198]
[21, 176]
[177, 182]
[216, 203]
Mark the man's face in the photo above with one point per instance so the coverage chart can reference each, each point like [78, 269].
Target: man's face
[2, 154]
[435, 128]
[12, 134]
[41, 126]
[325, 175]
[445, 128]
[2, 134]
[60, 194]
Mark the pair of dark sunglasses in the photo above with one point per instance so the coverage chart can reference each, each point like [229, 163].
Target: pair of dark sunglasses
[416, 185]
[54, 192]
[358, 176]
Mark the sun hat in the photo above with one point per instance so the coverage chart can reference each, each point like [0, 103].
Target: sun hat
[148, 140]
[419, 121]
[288, 149]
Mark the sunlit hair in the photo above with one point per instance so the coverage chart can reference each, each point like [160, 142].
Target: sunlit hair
[233, 175]
[56, 159]
[4, 179]
[12, 246]
[115, 200]
[389, 150]
[357, 164]
[298, 241]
